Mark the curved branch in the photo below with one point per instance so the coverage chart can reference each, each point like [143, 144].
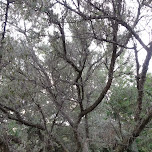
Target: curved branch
[18, 117]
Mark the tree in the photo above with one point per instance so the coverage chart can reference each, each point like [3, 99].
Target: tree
[71, 77]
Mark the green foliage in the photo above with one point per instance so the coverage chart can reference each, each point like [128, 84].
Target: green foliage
[58, 60]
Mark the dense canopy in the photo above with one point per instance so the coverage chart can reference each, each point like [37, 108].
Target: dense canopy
[75, 76]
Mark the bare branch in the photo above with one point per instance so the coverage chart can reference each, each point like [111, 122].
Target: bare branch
[18, 117]
[141, 82]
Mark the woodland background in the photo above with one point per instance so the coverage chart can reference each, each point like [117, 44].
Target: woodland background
[71, 76]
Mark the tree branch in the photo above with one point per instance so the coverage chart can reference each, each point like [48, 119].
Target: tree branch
[18, 117]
